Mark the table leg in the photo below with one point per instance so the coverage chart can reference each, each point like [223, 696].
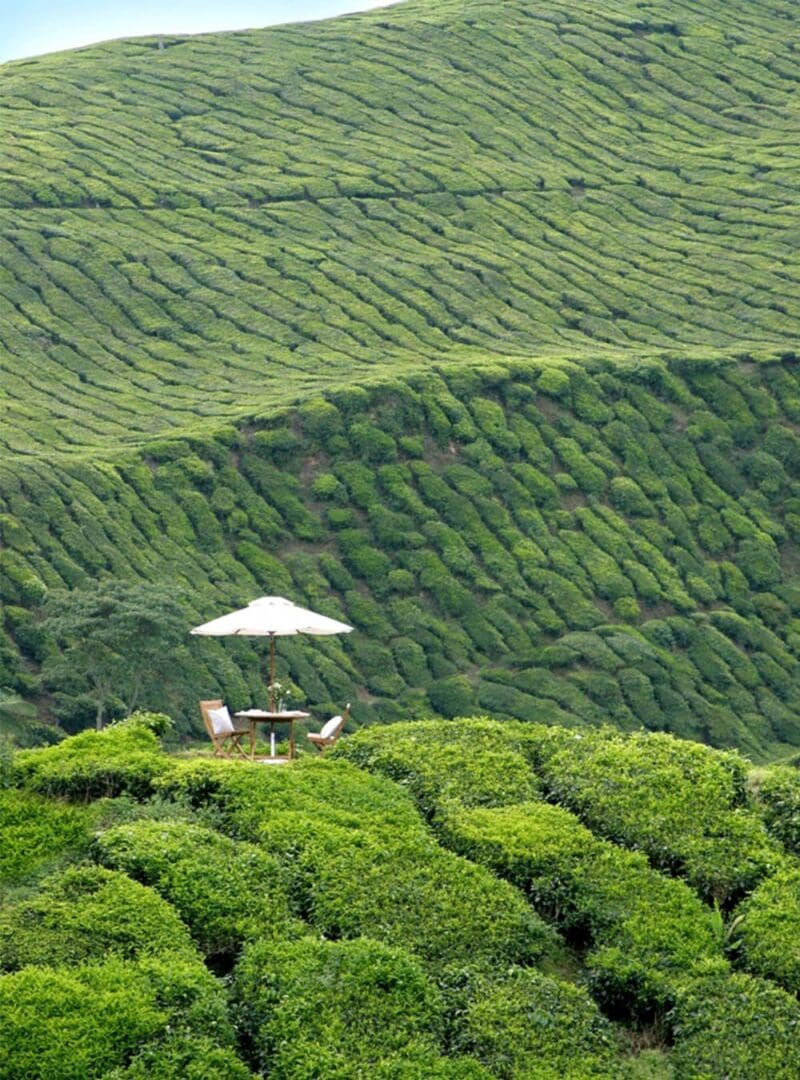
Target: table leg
[291, 740]
[252, 739]
[272, 740]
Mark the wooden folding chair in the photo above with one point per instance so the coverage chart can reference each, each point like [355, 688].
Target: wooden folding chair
[225, 737]
[330, 731]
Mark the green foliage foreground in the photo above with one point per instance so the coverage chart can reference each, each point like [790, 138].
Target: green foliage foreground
[439, 920]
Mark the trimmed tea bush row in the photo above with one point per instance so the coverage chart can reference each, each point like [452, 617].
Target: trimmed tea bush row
[653, 948]
[84, 1021]
[124, 758]
[682, 804]
[37, 833]
[360, 863]
[646, 933]
[84, 914]
[225, 891]
[778, 793]
[342, 1008]
[651, 588]
[767, 930]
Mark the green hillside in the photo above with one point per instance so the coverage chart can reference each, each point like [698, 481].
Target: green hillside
[440, 899]
[472, 324]
[205, 230]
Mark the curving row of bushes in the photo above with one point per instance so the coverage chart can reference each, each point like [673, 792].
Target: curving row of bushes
[650, 947]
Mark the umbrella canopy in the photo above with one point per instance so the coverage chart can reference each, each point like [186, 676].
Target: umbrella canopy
[271, 616]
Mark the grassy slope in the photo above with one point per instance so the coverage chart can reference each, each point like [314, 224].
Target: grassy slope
[195, 237]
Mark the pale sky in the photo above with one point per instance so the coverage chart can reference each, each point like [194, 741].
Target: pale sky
[31, 27]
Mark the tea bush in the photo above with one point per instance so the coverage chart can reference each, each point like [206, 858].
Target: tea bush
[123, 758]
[408, 891]
[360, 862]
[531, 1025]
[334, 1008]
[735, 1026]
[507, 566]
[95, 1017]
[646, 932]
[472, 761]
[248, 801]
[766, 938]
[84, 913]
[224, 890]
[778, 794]
[183, 1057]
[680, 803]
[37, 832]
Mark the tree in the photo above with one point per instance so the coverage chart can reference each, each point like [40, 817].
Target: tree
[114, 641]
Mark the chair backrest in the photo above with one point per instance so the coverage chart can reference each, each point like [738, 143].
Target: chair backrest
[332, 729]
[205, 706]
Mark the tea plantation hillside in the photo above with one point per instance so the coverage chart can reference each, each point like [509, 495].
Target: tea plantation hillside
[436, 899]
[208, 229]
[578, 546]
[471, 324]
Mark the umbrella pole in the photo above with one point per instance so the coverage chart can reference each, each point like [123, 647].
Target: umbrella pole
[271, 672]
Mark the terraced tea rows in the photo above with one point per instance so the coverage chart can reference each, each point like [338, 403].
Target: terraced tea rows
[199, 233]
[474, 325]
[575, 547]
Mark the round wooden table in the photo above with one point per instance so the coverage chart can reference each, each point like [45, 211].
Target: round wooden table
[262, 716]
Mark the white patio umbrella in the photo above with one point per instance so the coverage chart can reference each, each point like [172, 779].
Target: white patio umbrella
[271, 616]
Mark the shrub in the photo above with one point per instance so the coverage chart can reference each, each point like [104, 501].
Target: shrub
[224, 890]
[326, 486]
[251, 801]
[320, 419]
[648, 932]
[626, 608]
[84, 913]
[779, 796]
[758, 560]
[183, 1057]
[406, 890]
[533, 1026]
[677, 801]
[361, 862]
[766, 937]
[124, 757]
[553, 382]
[472, 761]
[738, 1027]
[6, 762]
[85, 1022]
[453, 696]
[36, 832]
[93, 1018]
[372, 443]
[334, 1008]
[627, 496]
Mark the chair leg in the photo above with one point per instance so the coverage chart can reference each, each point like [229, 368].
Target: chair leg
[236, 740]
